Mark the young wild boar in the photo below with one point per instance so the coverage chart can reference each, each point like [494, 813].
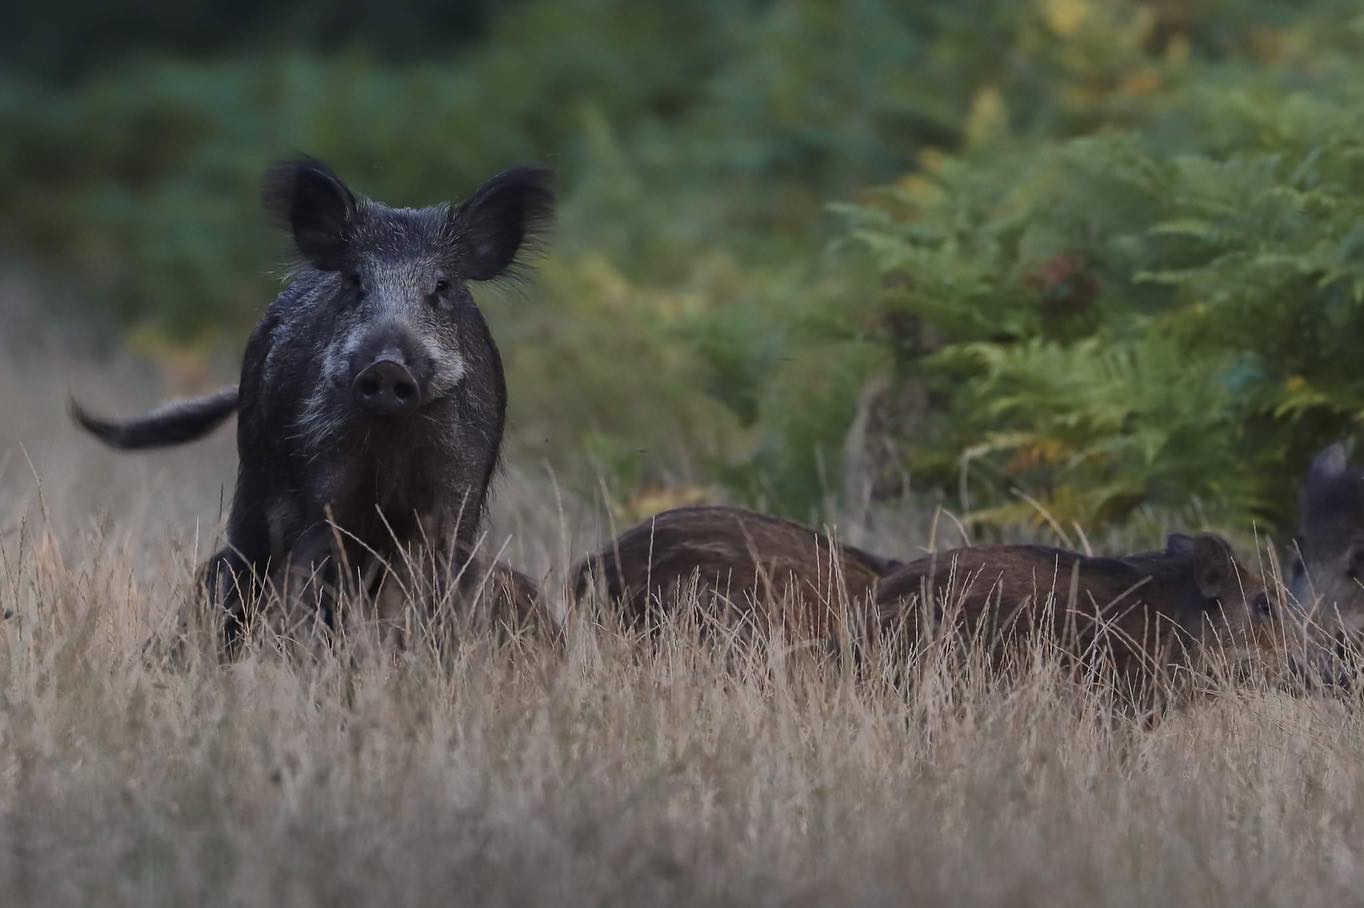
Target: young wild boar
[1191, 605]
[747, 564]
[371, 397]
[484, 596]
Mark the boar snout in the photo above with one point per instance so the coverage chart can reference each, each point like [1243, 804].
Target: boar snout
[1329, 661]
[386, 388]
[1341, 665]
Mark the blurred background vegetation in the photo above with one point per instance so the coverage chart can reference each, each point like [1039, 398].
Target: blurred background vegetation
[1098, 261]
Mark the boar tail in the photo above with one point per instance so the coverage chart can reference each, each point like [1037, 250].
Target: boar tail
[175, 423]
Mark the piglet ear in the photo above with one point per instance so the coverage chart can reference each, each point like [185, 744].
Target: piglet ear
[1214, 566]
[506, 217]
[309, 200]
[1180, 545]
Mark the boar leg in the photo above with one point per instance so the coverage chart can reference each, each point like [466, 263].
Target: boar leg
[306, 610]
[229, 582]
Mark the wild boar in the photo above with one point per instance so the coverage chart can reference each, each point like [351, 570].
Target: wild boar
[1327, 569]
[1145, 616]
[749, 567]
[371, 399]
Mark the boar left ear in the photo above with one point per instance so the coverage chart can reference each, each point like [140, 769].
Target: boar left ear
[505, 217]
[1213, 562]
[1331, 462]
[310, 200]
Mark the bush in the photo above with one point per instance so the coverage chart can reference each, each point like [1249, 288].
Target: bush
[1149, 323]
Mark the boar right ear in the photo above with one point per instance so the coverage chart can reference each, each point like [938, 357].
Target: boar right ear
[1332, 463]
[306, 198]
[506, 216]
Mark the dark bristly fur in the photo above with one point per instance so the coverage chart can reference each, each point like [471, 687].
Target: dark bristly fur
[1141, 614]
[740, 562]
[326, 476]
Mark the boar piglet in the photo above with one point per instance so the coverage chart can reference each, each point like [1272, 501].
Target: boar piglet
[1192, 605]
[745, 567]
[371, 396]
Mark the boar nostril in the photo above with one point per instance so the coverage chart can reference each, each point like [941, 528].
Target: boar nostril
[386, 388]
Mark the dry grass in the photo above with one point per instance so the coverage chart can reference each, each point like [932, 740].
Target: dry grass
[606, 774]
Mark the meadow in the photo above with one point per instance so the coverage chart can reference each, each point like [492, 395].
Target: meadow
[1083, 272]
[599, 772]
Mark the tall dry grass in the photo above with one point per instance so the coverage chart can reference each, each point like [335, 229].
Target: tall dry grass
[603, 772]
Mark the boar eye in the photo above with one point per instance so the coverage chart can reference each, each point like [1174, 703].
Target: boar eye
[1262, 607]
[354, 281]
[442, 287]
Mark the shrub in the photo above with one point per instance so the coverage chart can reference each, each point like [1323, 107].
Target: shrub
[1161, 319]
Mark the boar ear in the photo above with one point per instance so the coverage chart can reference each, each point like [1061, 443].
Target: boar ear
[306, 198]
[1332, 463]
[1214, 564]
[1180, 545]
[506, 216]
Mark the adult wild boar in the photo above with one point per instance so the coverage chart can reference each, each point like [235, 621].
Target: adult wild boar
[1192, 605]
[371, 396]
[1327, 573]
[747, 565]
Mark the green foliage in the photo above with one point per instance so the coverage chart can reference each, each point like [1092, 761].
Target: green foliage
[1096, 211]
[697, 145]
[75, 38]
[1073, 271]
[1163, 318]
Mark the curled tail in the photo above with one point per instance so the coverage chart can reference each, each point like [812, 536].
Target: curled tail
[175, 423]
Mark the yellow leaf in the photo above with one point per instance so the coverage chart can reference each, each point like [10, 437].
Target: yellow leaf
[1177, 51]
[988, 118]
[933, 159]
[1140, 83]
[648, 502]
[921, 188]
[1065, 16]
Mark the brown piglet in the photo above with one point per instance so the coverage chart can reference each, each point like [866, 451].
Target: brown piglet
[749, 567]
[1141, 617]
